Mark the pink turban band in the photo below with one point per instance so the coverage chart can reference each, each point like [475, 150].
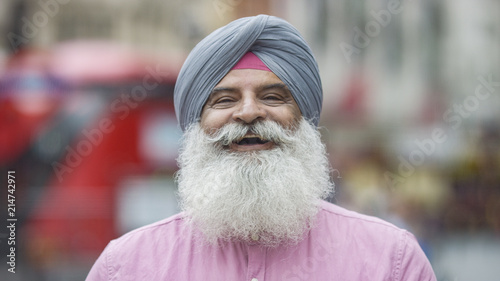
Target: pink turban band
[250, 61]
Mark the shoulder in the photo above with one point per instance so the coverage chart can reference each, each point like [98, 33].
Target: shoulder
[329, 211]
[170, 226]
[158, 237]
[361, 229]
[163, 235]
[140, 249]
[392, 247]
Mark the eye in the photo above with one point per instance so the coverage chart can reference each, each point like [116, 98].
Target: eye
[223, 100]
[273, 98]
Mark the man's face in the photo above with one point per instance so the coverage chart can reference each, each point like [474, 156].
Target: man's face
[248, 96]
[270, 189]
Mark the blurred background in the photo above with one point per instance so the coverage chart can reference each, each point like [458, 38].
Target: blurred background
[411, 119]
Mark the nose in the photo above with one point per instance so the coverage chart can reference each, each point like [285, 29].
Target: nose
[249, 111]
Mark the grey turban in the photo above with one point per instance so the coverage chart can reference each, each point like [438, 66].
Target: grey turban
[273, 40]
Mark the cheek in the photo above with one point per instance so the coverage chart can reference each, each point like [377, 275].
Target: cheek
[297, 115]
[213, 120]
[288, 116]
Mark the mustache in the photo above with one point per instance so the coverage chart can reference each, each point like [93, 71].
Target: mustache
[266, 130]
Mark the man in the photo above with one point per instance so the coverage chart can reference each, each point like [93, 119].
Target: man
[253, 173]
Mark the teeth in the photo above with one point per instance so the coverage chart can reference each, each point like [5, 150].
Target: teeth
[250, 136]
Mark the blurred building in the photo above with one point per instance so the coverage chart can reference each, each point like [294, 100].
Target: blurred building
[153, 26]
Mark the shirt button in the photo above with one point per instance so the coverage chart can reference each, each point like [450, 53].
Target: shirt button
[255, 279]
[254, 237]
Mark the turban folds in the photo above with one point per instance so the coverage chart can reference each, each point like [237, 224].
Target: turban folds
[273, 40]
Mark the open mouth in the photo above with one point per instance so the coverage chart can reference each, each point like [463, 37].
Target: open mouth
[251, 141]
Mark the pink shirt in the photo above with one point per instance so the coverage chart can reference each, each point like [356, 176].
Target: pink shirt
[343, 245]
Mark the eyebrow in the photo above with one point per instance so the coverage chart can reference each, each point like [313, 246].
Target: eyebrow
[261, 88]
[275, 85]
[223, 89]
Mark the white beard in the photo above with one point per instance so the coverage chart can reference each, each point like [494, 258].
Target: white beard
[275, 194]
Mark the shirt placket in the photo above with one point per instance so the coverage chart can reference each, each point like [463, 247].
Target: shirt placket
[256, 263]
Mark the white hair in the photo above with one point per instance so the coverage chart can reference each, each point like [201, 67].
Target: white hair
[273, 193]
